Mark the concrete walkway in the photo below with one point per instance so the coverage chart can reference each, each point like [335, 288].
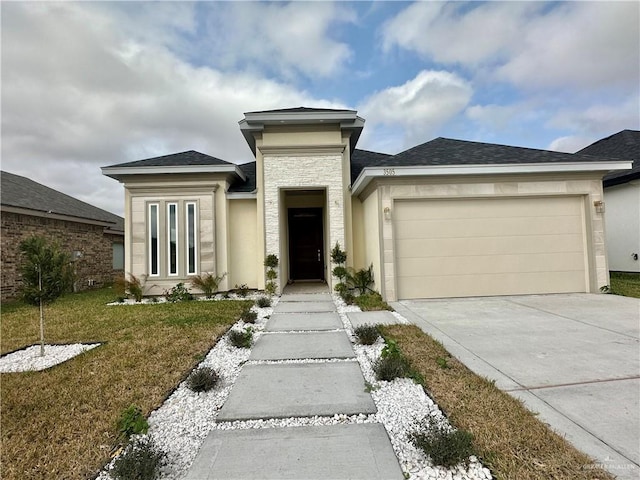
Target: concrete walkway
[304, 325]
[573, 358]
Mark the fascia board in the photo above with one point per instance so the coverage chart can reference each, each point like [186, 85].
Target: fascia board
[115, 172]
[369, 173]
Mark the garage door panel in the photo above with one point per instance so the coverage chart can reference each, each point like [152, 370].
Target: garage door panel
[483, 208]
[469, 247]
[482, 285]
[479, 264]
[433, 247]
[480, 227]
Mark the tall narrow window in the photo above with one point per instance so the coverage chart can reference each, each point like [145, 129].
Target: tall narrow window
[154, 252]
[192, 247]
[172, 237]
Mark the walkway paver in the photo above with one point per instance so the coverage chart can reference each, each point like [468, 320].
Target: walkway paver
[294, 388]
[304, 307]
[286, 322]
[296, 346]
[297, 390]
[322, 453]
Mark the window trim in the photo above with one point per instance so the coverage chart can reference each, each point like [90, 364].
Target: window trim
[157, 239]
[177, 240]
[195, 237]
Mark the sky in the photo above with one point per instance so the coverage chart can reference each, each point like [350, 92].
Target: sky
[91, 84]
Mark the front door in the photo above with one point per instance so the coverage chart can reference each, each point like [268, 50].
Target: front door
[306, 252]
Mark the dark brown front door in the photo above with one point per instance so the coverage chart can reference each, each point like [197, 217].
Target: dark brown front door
[306, 252]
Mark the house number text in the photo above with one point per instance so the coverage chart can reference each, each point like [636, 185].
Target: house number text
[389, 171]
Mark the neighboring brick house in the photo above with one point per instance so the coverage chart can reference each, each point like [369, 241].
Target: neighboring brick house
[94, 238]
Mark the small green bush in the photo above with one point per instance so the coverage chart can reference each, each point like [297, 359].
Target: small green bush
[207, 283]
[249, 316]
[202, 379]
[241, 338]
[263, 302]
[339, 272]
[348, 298]
[367, 334]
[270, 288]
[338, 256]
[242, 290]
[371, 301]
[178, 293]
[361, 280]
[341, 288]
[131, 286]
[389, 368]
[272, 274]
[131, 422]
[141, 460]
[446, 447]
[271, 261]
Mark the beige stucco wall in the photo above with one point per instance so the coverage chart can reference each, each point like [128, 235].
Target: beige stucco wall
[243, 263]
[212, 210]
[372, 239]
[392, 189]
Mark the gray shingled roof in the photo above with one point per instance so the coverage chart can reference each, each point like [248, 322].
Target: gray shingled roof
[190, 157]
[21, 192]
[301, 110]
[249, 185]
[366, 158]
[624, 145]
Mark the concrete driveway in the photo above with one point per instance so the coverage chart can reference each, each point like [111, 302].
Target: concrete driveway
[574, 359]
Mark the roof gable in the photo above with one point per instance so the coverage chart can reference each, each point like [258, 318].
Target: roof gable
[21, 192]
[625, 145]
[190, 157]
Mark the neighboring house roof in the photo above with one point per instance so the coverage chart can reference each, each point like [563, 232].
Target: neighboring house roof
[625, 145]
[190, 157]
[25, 194]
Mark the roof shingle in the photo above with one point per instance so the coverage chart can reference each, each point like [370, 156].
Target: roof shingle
[190, 157]
[624, 145]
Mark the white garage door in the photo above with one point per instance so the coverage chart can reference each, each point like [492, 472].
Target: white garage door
[475, 247]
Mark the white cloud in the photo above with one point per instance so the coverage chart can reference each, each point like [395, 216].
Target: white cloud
[583, 45]
[420, 106]
[599, 119]
[570, 144]
[79, 92]
[288, 38]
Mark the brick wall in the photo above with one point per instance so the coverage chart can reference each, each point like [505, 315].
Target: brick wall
[94, 269]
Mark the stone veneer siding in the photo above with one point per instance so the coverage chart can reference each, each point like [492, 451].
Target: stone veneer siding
[303, 172]
[96, 264]
[590, 189]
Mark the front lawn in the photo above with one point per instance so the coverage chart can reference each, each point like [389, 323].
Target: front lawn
[627, 284]
[509, 439]
[61, 422]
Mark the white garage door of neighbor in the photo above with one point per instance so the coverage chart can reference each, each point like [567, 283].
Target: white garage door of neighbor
[493, 246]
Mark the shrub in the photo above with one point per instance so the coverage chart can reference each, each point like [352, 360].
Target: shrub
[132, 422]
[338, 256]
[263, 302]
[179, 293]
[341, 288]
[348, 297]
[242, 290]
[389, 368]
[207, 283]
[141, 460]
[241, 338]
[371, 301]
[202, 379]
[272, 274]
[271, 261]
[248, 316]
[361, 280]
[391, 363]
[270, 288]
[367, 334]
[446, 447]
[339, 272]
[132, 286]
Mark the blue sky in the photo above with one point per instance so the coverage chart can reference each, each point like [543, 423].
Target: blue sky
[91, 84]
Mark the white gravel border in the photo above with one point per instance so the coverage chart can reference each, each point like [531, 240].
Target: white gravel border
[29, 359]
[181, 424]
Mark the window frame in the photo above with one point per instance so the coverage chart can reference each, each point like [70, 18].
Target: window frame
[171, 273]
[195, 238]
[150, 252]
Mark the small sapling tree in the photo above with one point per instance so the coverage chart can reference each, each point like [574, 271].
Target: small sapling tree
[46, 275]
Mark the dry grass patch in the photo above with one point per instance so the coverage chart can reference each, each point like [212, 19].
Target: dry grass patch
[61, 422]
[509, 439]
[627, 284]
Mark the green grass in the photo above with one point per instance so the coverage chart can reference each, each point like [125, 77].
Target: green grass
[371, 301]
[627, 284]
[62, 422]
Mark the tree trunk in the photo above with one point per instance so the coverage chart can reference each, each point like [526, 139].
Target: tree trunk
[41, 314]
